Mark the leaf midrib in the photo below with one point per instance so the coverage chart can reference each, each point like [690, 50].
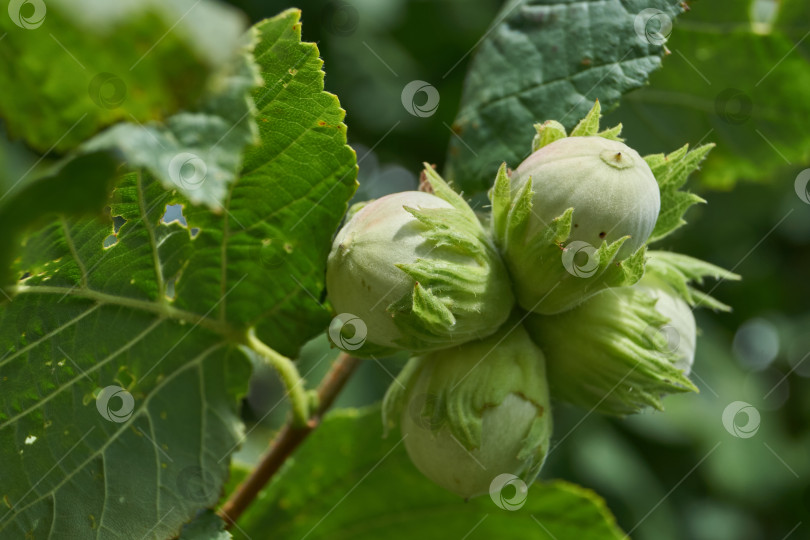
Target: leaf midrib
[150, 229]
[73, 251]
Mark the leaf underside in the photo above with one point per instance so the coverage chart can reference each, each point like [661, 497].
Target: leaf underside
[545, 59]
[26, 203]
[198, 152]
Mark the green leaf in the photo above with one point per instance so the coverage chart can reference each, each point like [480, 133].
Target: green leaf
[161, 311]
[347, 482]
[198, 152]
[280, 216]
[541, 60]
[208, 141]
[25, 202]
[70, 78]
[88, 319]
[756, 111]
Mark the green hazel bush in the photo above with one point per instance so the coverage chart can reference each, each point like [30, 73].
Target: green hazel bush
[172, 182]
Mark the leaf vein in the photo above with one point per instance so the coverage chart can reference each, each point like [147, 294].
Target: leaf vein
[150, 229]
[49, 335]
[72, 247]
[94, 368]
[192, 363]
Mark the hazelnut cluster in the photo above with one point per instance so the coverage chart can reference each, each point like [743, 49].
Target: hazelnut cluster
[553, 294]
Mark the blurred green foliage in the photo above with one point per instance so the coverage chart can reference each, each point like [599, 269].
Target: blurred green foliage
[737, 74]
[78, 81]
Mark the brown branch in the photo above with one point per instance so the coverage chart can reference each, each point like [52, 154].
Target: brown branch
[287, 440]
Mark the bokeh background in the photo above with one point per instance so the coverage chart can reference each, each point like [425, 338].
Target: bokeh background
[678, 474]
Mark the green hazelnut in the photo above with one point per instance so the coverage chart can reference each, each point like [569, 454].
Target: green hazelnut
[614, 353]
[440, 457]
[419, 270]
[573, 219]
[472, 413]
[608, 184]
[681, 330]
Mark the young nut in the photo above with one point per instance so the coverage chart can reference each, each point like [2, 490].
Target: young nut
[472, 413]
[681, 330]
[572, 220]
[613, 353]
[420, 271]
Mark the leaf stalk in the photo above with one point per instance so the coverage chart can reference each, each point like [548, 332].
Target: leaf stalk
[293, 382]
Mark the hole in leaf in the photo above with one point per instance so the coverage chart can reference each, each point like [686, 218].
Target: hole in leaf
[174, 212]
[110, 241]
[118, 222]
[195, 231]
